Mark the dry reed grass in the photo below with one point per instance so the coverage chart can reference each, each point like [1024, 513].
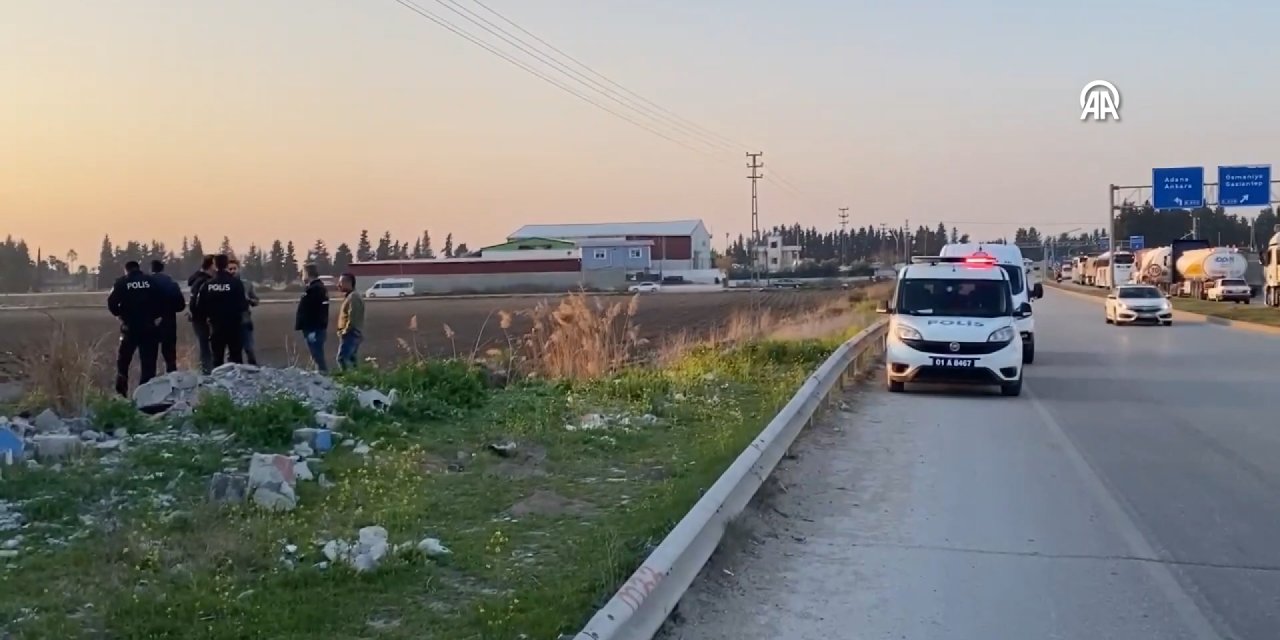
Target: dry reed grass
[581, 337]
[63, 369]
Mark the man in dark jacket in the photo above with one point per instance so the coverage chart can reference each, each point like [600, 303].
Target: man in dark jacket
[223, 303]
[246, 327]
[199, 323]
[137, 301]
[174, 303]
[312, 318]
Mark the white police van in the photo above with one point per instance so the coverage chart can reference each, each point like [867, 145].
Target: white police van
[1009, 258]
[953, 320]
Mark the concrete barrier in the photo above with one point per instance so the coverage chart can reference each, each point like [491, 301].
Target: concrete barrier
[639, 608]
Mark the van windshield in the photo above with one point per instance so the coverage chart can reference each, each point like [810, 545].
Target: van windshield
[947, 297]
[1015, 278]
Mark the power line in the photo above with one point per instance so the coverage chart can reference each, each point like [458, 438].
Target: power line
[585, 81]
[674, 115]
[501, 54]
[683, 127]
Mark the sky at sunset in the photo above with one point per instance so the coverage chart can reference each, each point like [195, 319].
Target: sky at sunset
[297, 119]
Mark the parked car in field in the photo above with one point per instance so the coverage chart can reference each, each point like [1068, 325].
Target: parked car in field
[391, 288]
[786, 283]
[645, 287]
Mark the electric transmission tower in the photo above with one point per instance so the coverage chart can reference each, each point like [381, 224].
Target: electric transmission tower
[755, 165]
[844, 222]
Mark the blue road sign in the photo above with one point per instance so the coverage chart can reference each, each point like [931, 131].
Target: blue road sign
[1177, 188]
[1104, 243]
[1244, 186]
[1137, 242]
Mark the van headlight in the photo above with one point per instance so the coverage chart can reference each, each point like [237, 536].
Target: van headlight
[1003, 334]
[908, 333]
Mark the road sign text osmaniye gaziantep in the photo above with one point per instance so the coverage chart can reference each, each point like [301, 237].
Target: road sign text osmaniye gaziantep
[1244, 185]
[1177, 188]
[1100, 101]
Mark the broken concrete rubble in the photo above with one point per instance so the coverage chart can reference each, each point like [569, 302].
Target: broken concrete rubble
[372, 545]
[53, 446]
[176, 392]
[271, 481]
[230, 488]
[377, 400]
[49, 422]
[330, 421]
[596, 421]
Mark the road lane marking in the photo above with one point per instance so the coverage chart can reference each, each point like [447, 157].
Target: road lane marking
[1196, 620]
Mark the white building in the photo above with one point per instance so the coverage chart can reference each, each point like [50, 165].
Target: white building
[772, 256]
[678, 246]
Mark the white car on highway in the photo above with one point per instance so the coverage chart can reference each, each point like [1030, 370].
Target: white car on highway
[1229, 290]
[954, 320]
[645, 287]
[1131, 303]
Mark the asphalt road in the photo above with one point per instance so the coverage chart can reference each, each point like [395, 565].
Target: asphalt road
[1131, 493]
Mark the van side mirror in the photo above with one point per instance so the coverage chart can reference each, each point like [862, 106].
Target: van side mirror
[1024, 310]
[882, 307]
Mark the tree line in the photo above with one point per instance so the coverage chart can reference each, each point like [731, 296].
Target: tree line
[280, 262]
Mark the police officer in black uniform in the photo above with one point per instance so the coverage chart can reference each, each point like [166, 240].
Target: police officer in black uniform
[168, 327]
[139, 303]
[223, 302]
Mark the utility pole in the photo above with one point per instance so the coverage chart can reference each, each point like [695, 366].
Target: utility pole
[884, 234]
[844, 222]
[906, 240]
[1111, 234]
[755, 165]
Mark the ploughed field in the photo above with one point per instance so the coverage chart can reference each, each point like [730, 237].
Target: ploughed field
[474, 323]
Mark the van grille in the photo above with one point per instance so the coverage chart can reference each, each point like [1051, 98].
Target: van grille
[966, 348]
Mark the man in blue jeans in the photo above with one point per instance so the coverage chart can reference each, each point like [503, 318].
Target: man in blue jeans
[312, 317]
[350, 322]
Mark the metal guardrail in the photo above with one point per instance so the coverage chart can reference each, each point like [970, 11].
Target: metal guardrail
[638, 609]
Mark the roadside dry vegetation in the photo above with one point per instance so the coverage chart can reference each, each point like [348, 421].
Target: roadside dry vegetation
[549, 473]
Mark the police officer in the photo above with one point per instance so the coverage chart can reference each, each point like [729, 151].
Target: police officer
[222, 300]
[168, 327]
[199, 323]
[138, 302]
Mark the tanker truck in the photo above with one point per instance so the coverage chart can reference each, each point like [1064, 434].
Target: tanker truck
[1151, 266]
[1199, 267]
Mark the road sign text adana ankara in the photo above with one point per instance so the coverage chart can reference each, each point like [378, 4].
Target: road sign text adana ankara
[1244, 186]
[1177, 188]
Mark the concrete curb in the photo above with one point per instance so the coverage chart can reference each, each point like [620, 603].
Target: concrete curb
[1178, 314]
[638, 609]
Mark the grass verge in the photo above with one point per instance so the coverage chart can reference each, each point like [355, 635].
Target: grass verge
[608, 455]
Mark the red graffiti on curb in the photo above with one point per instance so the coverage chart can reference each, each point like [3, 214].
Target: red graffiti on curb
[639, 586]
